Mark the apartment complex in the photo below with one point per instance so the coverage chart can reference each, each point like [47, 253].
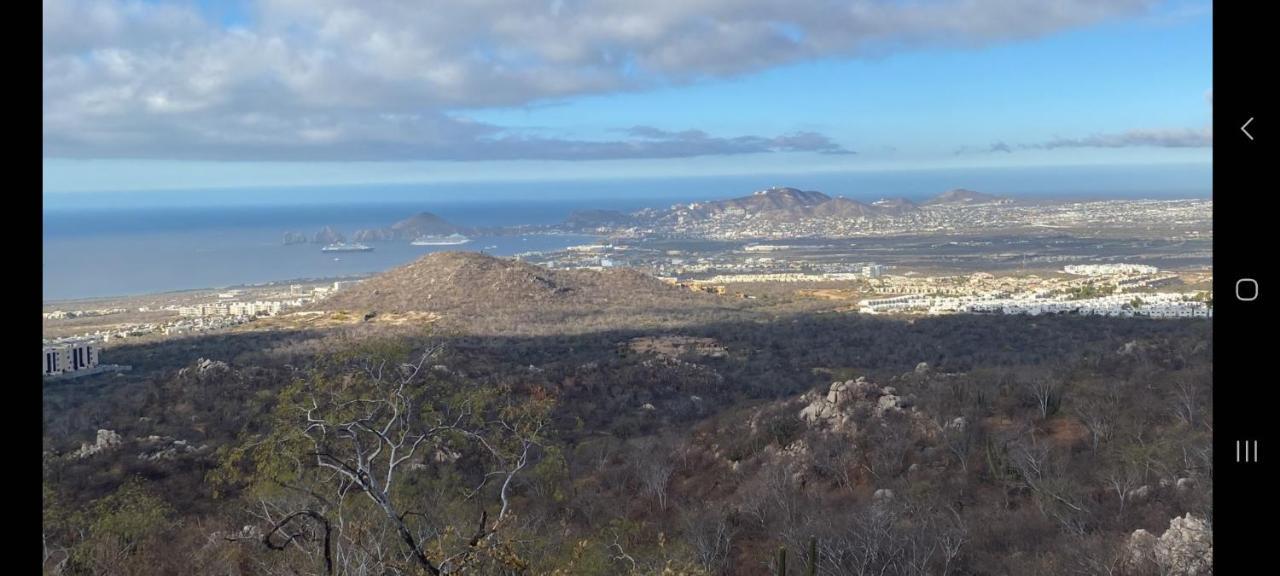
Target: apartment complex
[67, 357]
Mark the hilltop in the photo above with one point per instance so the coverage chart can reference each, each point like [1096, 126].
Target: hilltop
[420, 224]
[964, 196]
[490, 294]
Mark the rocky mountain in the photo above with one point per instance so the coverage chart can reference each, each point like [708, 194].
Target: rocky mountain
[421, 224]
[895, 206]
[843, 208]
[776, 199]
[328, 235]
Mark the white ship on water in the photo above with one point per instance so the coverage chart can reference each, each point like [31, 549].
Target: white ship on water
[344, 247]
[450, 240]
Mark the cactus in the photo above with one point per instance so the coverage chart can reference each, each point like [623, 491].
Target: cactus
[813, 556]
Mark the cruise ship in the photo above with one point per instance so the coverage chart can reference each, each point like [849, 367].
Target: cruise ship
[450, 240]
[344, 247]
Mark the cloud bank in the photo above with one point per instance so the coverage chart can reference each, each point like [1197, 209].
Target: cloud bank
[384, 79]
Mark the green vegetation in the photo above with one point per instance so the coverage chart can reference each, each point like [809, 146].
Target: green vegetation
[1090, 291]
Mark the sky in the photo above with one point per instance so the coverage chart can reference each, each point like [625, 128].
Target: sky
[208, 95]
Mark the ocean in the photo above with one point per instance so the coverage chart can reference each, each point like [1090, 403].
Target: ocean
[118, 252]
[99, 244]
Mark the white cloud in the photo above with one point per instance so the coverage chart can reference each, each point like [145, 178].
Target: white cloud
[331, 79]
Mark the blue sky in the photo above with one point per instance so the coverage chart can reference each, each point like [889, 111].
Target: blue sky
[211, 95]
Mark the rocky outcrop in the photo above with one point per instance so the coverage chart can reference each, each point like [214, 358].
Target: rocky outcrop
[205, 366]
[376, 235]
[294, 238]
[328, 235]
[836, 409]
[1185, 549]
[162, 448]
[106, 440]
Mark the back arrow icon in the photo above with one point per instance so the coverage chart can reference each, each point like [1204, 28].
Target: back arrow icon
[1246, 125]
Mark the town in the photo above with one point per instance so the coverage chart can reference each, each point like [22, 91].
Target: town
[71, 352]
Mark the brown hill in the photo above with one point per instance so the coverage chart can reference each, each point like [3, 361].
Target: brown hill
[843, 208]
[421, 224]
[485, 294]
[775, 199]
[964, 196]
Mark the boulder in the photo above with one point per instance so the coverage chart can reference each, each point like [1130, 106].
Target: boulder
[882, 495]
[1185, 485]
[205, 365]
[863, 389]
[888, 403]
[817, 411]
[1185, 549]
[1139, 551]
[1139, 493]
[838, 393]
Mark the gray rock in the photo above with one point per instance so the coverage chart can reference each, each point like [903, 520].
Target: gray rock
[838, 394]
[1139, 493]
[1185, 549]
[205, 365]
[888, 403]
[106, 440]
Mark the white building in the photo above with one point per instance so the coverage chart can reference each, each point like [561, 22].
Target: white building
[70, 357]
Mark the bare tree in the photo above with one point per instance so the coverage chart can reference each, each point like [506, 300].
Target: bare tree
[1186, 401]
[364, 441]
[352, 433]
[1096, 416]
[1047, 393]
[710, 534]
[655, 477]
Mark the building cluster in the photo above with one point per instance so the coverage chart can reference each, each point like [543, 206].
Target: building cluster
[227, 307]
[1096, 290]
[688, 221]
[782, 277]
[62, 314]
[225, 312]
[256, 308]
[1121, 278]
[1154, 305]
[1109, 269]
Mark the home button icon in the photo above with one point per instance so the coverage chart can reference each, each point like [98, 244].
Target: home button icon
[1246, 289]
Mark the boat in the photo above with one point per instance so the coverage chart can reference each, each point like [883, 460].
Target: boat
[450, 240]
[344, 247]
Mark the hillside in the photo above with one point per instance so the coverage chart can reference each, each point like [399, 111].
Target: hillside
[490, 294]
[420, 224]
[776, 199]
[964, 196]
